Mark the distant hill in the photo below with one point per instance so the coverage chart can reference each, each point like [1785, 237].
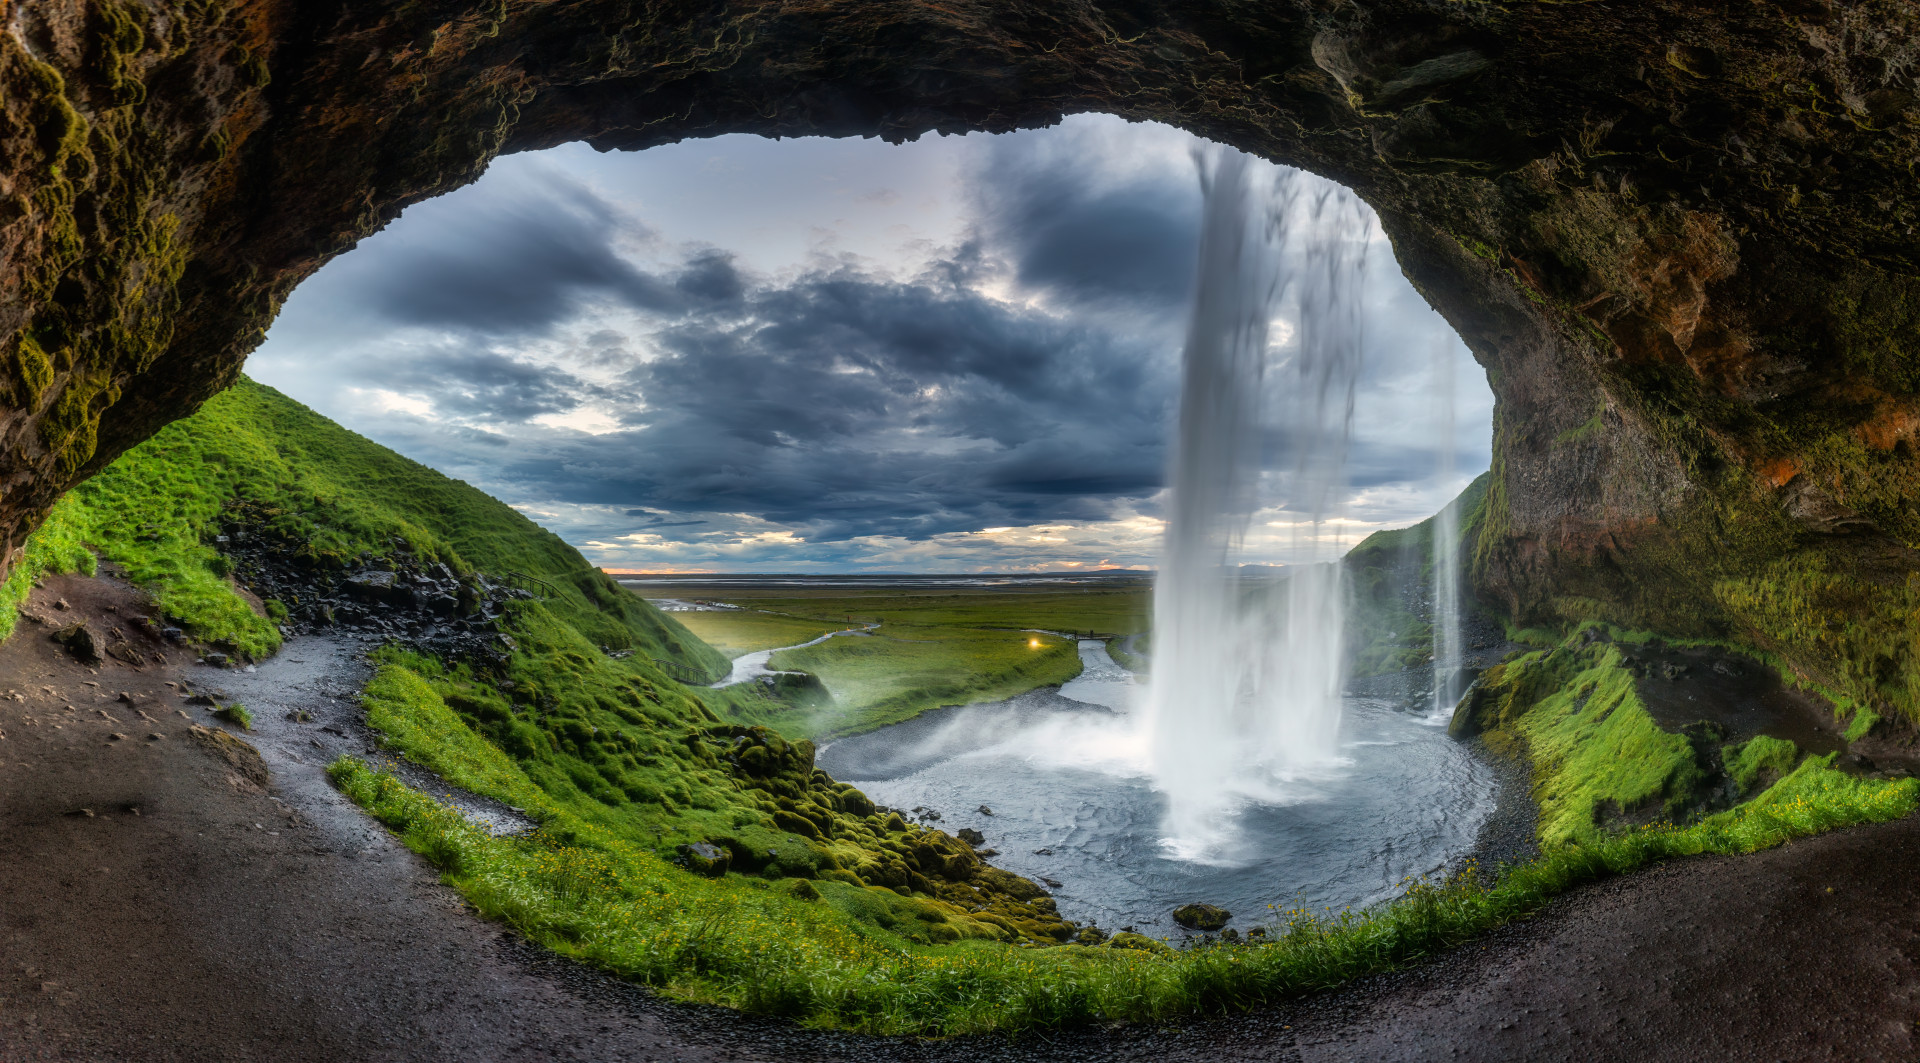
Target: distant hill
[1390, 626]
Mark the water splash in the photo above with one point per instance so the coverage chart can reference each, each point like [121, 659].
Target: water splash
[1248, 670]
[1447, 649]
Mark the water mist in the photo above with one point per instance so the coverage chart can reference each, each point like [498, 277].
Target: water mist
[1248, 672]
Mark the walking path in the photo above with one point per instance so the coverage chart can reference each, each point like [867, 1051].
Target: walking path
[160, 903]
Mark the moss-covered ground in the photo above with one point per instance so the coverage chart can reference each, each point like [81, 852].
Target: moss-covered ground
[829, 911]
[343, 498]
[771, 947]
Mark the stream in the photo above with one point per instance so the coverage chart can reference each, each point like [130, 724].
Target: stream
[753, 665]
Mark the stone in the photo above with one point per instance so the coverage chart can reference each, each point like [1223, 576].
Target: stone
[1090, 935]
[1128, 939]
[971, 837]
[1202, 917]
[372, 586]
[79, 643]
[705, 858]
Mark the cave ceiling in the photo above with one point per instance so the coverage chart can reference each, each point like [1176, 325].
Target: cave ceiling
[1681, 238]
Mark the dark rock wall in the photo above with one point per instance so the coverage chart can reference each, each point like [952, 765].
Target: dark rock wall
[1680, 238]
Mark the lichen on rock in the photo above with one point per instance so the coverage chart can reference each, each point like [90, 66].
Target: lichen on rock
[1682, 242]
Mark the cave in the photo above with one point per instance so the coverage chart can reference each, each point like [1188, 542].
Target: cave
[1680, 241]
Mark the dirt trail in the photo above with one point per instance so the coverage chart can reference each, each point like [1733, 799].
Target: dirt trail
[226, 921]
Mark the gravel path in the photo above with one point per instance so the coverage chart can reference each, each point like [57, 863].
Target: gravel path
[188, 913]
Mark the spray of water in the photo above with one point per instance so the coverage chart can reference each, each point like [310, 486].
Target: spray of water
[1447, 659]
[1248, 672]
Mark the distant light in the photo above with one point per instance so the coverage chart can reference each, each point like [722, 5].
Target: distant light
[1033, 643]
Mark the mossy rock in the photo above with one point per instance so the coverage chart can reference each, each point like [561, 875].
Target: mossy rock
[796, 823]
[705, 858]
[1127, 939]
[1203, 917]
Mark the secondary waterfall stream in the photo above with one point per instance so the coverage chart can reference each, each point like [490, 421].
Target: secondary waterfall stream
[1448, 649]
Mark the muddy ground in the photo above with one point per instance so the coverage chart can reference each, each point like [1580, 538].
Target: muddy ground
[158, 903]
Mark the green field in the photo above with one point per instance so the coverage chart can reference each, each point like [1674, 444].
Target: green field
[928, 650]
[735, 632]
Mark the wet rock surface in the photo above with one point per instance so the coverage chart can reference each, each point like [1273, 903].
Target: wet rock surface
[1203, 917]
[420, 602]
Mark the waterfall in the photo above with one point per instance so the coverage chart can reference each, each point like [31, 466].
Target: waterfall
[1447, 658]
[1248, 670]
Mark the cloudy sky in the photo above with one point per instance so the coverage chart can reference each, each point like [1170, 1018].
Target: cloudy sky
[738, 354]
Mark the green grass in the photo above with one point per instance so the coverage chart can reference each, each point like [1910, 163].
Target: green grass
[764, 949]
[901, 671]
[929, 651]
[1592, 742]
[1112, 610]
[237, 715]
[737, 631]
[336, 497]
[56, 546]
[1746, 761]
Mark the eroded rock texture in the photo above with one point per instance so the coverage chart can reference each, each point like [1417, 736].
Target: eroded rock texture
[1680, 238]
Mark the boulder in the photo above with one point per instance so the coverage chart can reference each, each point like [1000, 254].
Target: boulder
[1090, 935]
[1203, 917]
[78, 641]
[371, 585]
[1127, 939]
[971, 837]
[705, 858]
[1469, 714]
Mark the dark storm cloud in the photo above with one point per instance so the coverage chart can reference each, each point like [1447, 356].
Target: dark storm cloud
[516, 268]
[487, 383]
[853, 405]
[1128, 243]
[838, 402]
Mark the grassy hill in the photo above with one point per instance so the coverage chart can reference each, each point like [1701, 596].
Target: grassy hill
[157, 511]
[1390, 625]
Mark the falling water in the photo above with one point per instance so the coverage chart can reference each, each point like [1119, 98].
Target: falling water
[1248, 672]
[1446, 553]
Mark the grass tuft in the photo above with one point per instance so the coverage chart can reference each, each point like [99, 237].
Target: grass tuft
[237, 715]
[770, 950]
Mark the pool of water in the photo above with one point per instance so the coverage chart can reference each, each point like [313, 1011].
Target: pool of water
[1066, 777]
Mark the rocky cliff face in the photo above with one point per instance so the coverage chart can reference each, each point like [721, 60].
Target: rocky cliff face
[1681, 240]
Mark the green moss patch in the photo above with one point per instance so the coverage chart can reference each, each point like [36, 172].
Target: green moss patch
[1747, 761]
[1595, 746]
